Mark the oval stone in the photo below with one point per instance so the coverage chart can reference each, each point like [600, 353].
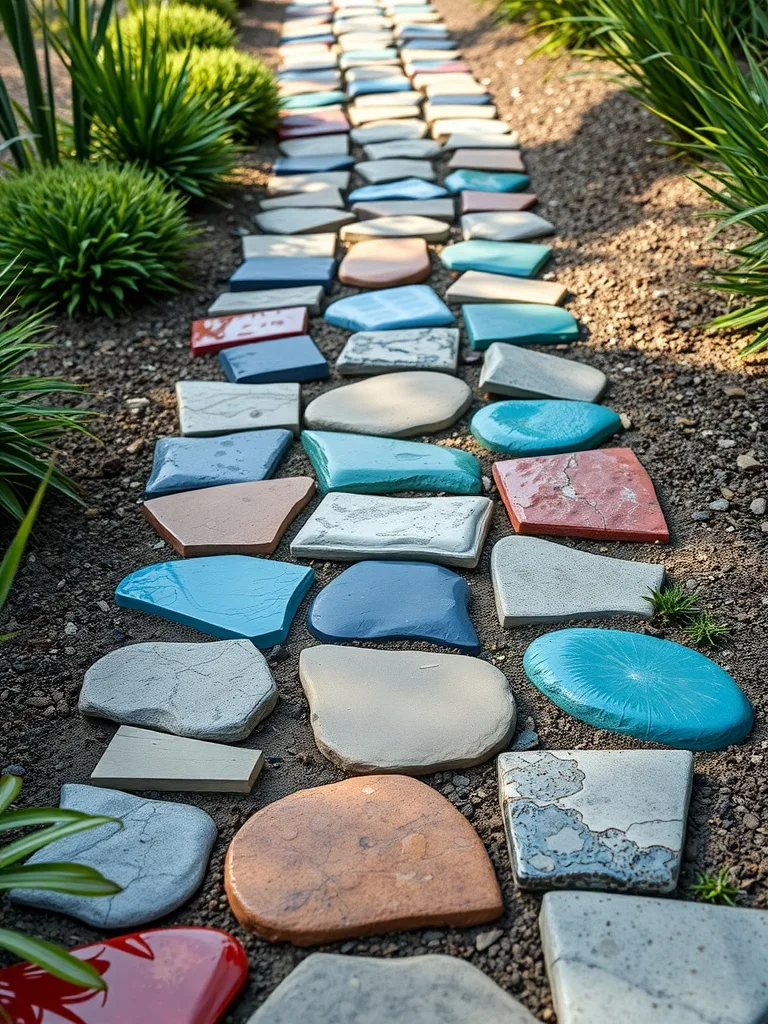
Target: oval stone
[543, 426]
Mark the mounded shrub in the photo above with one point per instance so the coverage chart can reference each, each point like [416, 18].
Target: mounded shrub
[226, 8]
[178, 27]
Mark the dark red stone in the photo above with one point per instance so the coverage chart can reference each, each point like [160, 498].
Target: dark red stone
[218, 332]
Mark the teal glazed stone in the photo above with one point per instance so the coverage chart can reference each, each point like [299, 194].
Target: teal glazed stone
[518, 323]
[228, 596]
[395, 601]
[516, 259]
[546, 426]
[640, 686]
[486, 181]
[407, 188]
[305, 101]
[390, 309]
[362, 464]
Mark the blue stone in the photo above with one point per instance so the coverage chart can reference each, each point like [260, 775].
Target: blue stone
[311, 164]
[302, 40]
[395, 601]
[486, 181]
[462, 99]
[382, 56]
[330, 76]
[261, 272]
[417, 66]
[446, 43]
[364, 464]
[406, 188]
[188, 463]
[285, 359]
[544, 426]
[641, 686]
[299, 71]
[518, 323]
[313, 99]
[516, 259]
[228, 596]
[389, 309]
[378, 85]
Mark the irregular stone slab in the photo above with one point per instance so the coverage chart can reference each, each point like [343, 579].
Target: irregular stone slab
[311, 100]
[424, 72]
[453, 98]
[518, 324]
[378, 86]
[424, 348]
[351, 527]
[415, 305]
[158, 857]
[326, 181]
[389, 131]
[208, 408]
[211, 691]
[459, 140]
[318, 163]
[377, 73]
[419, 864]
[496, 202]
[263, 272]
[271, 298]
[302, 124]
[396, 227]
[297, 221]
[483, 158]
[432, 209]
[479, 286]
[306, 87]
[544, 426]
[376, 465]
[391, 99]
[385, 262]
[606, 495]
[233, 519]
[523, 373]
[228, 596]
[486, 181]
[323, 145]
[360, 116]
[449, 125]
[324, 198]
[666, 963]
[293, 245]
[457, 111]
[392, 405]
[298, 63]
[403, 149]
[537, 581]
[505, 226]
[464, 86]
[376, 171]
[641, 686]
[405, 189]
[370, 58]
[516, 259]
[288, 359]
[211, 335]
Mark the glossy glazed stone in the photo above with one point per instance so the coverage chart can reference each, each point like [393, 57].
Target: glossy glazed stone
[405, 189]
[545, 426]
[377, 172]
[288, 272]
[403, 149]
[228, 303]
[516, 259]
[212, 335]
[518, 324]
[312, 164]
[327, 197]
[424, 348]
[498, 161]
[216, 691]
[596, 819]
[322, 145]
[459, 140]
[448, 126]
[604, 494]
[298, 220]
[524, 373]
[378, 465]
[278, 246]
[390, 309]
[228, 596]
[389, 131]
[535, 580]
[484, 181]
[324, 182]
[496, 202]
[504, 226]
[433, 209]
[159, 857]
[641, 686]
[385, 262]
[480, 286]
[211, 407]
[352, 527]
[378, 86]
[288, 359]
[407, 857]
[187, 463]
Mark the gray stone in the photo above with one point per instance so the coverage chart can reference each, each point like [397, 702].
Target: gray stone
[315, 181]
[407, 149]
[389, 99]
[350, 527]
[316, 145]
[288, 246]
[209, 691]
[409, 226]
[458, 140]
[377, 171]
[421, 348]
[537, 580]
[298, 221]
[654, 961]
[436, 209]
[757, 506]
[373, 74]
[459, 111]
[479, 286]
[720, 505]
[326, 198]
[524, 373]
[159, 857]
[227, 303]
[360, 116]
[507, 226]
[596, 819]
[211, 407]
[467, 126]
[389, 131]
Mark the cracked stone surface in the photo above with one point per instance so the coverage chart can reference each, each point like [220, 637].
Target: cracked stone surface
[399, 226]
[505, 226]
[422, 348]
[286, 359]
[524, 373]
[596, 819]
[269, 298]
[159, 857]
[543, 426]
[385, 262]
[389, 309]
[407, 858]
[479, 286]
[211, 407]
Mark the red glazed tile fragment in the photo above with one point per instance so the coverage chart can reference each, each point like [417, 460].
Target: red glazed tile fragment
[215, 333]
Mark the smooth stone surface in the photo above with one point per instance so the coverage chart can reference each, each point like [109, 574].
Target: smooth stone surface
[516, 259]
[211, 335]
[604, 495]
[485, 181]
[294, 245]
[407, 858]
[397, 99]
[459, 140]
[506, 226]
[480, 286]
[390, 309]
[211, 407]
[389, 131]
[518, 324]
[455, 99]
[447, 126]
[496, 202]
[296, 221]
[403, 149]
[385, 262]
[392, 405]
[159, 857]
[316, 163]
[323, 182]
[288, 359]
[665, 962]
[432, 209]
[326, 198]
[303, 87]
[210, 691]
[377, 58]
[352, 527]
[362, 115]
[457, 110]
[288, 272]
[640, 686]
[271, 298]
[305, 123]
[484, 158]
[378, 86]
[309, 100]
[377, 73]
[324, 145]
[404, 189]
[465, 88]
[188, 463]
[423, 348]
[543, 426]
[228, 596]
[596, 819]
[377, 171]
[524, 373]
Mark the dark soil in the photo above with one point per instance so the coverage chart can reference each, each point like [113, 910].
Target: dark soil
[631, 250]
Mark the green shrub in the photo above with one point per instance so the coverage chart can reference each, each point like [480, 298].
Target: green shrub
[179, 27]
[226, 8]
[558, 18]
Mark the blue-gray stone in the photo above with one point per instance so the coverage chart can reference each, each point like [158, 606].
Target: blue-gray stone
[378, 85]
[406, 188]
[311, 164]
[261, 272]
[545, 426]
[286, 359]
[389, 309]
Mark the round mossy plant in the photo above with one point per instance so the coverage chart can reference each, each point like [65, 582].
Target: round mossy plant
[178, 27]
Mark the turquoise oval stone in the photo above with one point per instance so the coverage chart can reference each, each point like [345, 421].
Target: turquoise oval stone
[518, 323]
[516, 259]
[486, 181]
[546, 426]
[305, 101]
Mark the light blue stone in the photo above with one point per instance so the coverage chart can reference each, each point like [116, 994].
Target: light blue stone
[304, 101]
[284, 359]
[330, 76]
[545, 426]
[378, 85]
[302, 40]
[228, 596]
[486, 181]
[385, 55]
[260, 272]
[395, 601]
[364, 464]
[413, 305]
[311, 164]
[516, 259]
[462, 99]
[641, 686]
[518, 323]
[429, 44]
[406, 188]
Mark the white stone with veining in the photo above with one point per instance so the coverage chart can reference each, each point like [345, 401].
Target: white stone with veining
[228, 303]
[420, 348]
[519, 372]
[210, 407]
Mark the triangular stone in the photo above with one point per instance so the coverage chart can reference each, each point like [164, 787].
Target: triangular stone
[228, 303]
[518, 324]
[516, 259]
[543, 426]
[398, 226]
[506, 226]
[389, 309]
[210, 407]
[405, 189]
[376, 171]
[432, 209]
[385, 262]
[296, 221]
[422, 348]
[403, 149]
[389, 131]
[211, 335]
[479, 286]
[293, 245]
[483, 158]
[523, 373]
[486, 181]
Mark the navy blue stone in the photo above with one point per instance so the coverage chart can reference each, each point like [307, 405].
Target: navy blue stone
[406, 188]
[311, 164]
[285, 359]
[261, 272]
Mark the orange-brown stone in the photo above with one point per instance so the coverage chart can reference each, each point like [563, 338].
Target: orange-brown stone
[385, 263]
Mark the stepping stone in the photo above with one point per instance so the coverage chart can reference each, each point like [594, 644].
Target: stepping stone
[456, 101]
[296, 221]
[416, 50]
[158, 857]
[499, 161]
[210, 407]
[272, 246]
[409, 98]
[518, 324]
[408, 149]
[661, 961]
[360, 116]
[448, 125]
[496, 202]
[288, 359]
[596, 819]
[516, 259]
[212, 691]
[297, 63]
[478, 286]
[602, 495]
[289, 272]
[383, 262]
[211, 335]
[460, 140]
[376, 171]
[228, 596]
[392, 405]
[323, 145]
[306, 87]
[456, 85]
[509, 226]
[376, 58]
[544, 426]
[397, 227]
[189, 463]
[362, 42]
[352, 527]
[389, 131]
[523, 373]
[309, 100]
[312, 164]
[423, 72]
[486, 181]
[377, 465]
[228, 303]
[326, 78]
[378, 86]
[305, 125]
[432, 209]
[390, 309]
[419, 864]
[436, 111]
[191, 974]
[234, 519]
[326, 181]
[377, 73]
[537, 581]
[324, 197]
[423, 348]
[407, 189]
[640, 686]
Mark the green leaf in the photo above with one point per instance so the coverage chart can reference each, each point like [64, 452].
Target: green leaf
[12, 557]
[74, 879]
[29, 816]
[10, 787]
[53, 959]
[37, 840]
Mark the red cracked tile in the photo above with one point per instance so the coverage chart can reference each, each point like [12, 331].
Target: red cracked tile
[215, 333]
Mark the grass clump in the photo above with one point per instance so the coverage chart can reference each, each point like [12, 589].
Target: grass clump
[705, 629]
[716, 888]
[225, 8]
[673, 603]
[178, 27]
[562, 21]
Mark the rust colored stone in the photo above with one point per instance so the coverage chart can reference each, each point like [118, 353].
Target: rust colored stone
[507, 161]
[497, 202]
[385, 262]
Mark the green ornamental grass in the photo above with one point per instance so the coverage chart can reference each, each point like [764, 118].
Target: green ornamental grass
[178, 27]
[226, 8]
[560, 20]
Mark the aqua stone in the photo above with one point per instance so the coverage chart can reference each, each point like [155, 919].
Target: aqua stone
[518, 323]
[228, 596]
[260, 272]
[546, 426]
[516, 259]
[311, 164]
[285, 359]
[363, 464]
[304, 101]
[486, 181]
[352, 57]
[390, 309]
[378, 85]
[654, 690]
[462, 99]
[406, 188]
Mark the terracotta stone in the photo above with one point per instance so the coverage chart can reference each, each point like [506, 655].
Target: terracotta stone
[212, 335]
[507, 160]
[380, 263]
[496, 202]
[360, 857]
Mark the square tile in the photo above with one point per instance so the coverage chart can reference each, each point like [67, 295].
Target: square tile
[288, 272]
[286, 359]
[210, 407]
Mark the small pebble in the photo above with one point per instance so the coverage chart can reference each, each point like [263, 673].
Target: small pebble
[758, 507]
[747, 462]
[720, 505]
[701, 517]
[486, 939]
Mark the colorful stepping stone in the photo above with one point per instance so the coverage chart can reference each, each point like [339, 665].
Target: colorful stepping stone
[424, 348]
[469, 100]
[288, 359]
[228, 596]
[604, 495]
[158, 857]
[517, 259]
[432, 209]
[523, 373]
[379, 171]
[323, 145]
[288, 272]
[388, 100]
[505, 226]
[211, 335]
[518, 324]
[496, 202]
[480, 286]
[278, 246]
[326, 182]
[326, 78]
[298, 221]
[360, 116]
[310, 164]
[485, 111]
[389, 131]
[381, 56]
[460, 140]
[326, 197]
[485, 181]
[498, 161]
[405, 189]
[302, 87]
[377, 73]
[403, 149]
[408, 857]
[378, 86]
[211, 407]
[308, 100]
[447, 126]
[390, 309]
[545, 426]
[228, 303]
[464, 86]
[385, 262]
[301, 125]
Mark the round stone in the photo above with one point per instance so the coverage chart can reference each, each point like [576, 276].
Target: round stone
[543, 426]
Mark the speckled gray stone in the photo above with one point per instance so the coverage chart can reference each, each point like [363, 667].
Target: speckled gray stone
[524, 373]
[228, 303]
[211, 407]
[159, 857]
[421, 348]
